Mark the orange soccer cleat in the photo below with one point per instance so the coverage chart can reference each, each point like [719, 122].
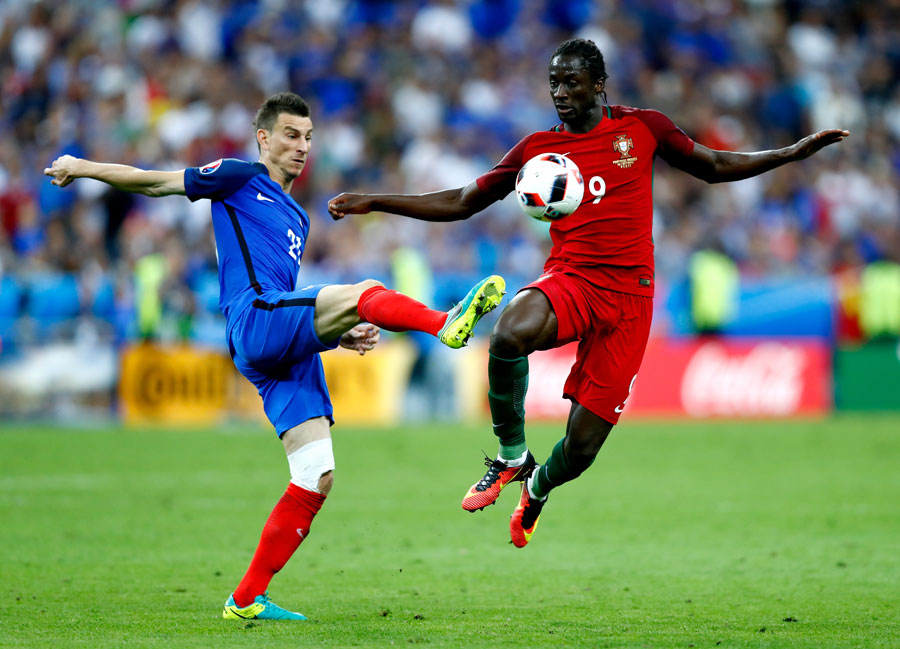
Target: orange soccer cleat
[524, 519]
[499, 474]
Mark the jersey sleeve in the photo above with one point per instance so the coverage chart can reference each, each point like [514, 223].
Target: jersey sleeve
[502, 178]
[220, 179]
[670, 140]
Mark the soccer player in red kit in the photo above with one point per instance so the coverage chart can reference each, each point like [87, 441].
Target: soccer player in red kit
[597, 285]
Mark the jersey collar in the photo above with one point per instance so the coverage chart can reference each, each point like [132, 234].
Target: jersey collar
[561, 128]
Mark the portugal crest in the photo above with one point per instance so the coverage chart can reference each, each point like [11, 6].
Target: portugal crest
[623, 145]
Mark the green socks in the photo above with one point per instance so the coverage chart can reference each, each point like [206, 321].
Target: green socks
[554, 472]
[508, 382]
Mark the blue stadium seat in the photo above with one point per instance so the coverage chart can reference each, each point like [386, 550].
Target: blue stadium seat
[10, 304]
[103, 304]
[53, 300]
[206, 288]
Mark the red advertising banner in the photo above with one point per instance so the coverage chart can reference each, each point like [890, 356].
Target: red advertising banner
[704, 378]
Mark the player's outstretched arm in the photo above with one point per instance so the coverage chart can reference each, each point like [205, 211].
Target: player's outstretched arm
[67, 168]
[442, 206]
[722, 166]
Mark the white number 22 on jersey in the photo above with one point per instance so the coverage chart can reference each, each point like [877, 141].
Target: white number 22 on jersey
[296, 242]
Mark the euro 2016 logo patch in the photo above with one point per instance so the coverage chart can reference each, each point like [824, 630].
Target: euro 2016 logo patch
[623, 145]
[211, 167]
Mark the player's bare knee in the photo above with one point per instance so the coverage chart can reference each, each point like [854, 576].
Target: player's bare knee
[366, 284]
[506, 344]
[326, 481]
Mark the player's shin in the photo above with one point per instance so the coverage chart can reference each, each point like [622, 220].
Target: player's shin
[395, 311]
[508, 383]
[287, 526]
[557, 470]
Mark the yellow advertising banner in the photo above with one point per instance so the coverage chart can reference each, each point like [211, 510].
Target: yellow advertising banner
[185, 385]
[180, 384]
[369, 389]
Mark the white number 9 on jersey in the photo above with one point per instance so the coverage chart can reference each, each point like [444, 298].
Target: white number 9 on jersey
[597, 187]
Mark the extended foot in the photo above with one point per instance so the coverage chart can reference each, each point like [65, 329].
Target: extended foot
[524, 519]
[499, 474]
[262, 608]
[461, 319]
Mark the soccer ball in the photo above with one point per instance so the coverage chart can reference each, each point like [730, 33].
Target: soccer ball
[549, 187]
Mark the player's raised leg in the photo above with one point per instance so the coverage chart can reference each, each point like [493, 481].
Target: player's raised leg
[340, 307]
[311, 462]
[527, 324]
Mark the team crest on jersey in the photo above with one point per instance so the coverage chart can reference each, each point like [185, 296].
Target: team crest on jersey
[211, 167]
[623, 145]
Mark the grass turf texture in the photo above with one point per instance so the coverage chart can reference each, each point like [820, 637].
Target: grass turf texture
[731, 534]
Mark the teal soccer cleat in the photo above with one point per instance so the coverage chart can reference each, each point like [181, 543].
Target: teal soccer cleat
[262, 608]
[461, 319]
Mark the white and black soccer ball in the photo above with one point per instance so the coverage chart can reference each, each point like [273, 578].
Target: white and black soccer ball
[549, 187]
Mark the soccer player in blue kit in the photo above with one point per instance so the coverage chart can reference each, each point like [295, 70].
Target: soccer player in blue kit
[275, 330]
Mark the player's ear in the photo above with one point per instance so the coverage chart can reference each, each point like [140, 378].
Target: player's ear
[262, 138]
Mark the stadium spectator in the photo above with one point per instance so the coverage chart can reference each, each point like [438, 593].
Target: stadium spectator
[113, 80]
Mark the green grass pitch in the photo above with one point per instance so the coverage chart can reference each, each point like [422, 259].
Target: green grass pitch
[712, 534]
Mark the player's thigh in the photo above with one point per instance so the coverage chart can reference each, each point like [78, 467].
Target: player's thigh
[336, 308]
[607, 361]
[311, 430]
[291, 394]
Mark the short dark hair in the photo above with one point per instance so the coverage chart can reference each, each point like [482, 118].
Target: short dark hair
[282, 102]
[588, 52]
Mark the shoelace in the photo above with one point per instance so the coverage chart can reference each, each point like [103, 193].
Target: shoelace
[493, 474]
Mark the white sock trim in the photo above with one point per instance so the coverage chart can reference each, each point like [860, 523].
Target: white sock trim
[529, 481]
[519, 461]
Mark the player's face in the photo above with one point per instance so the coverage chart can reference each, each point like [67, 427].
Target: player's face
[288, 143]
[575, 96]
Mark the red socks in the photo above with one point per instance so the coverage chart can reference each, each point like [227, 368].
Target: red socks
[395, 311]
[287, 526]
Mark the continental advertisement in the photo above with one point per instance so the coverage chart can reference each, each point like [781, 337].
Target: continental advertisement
[177, 385]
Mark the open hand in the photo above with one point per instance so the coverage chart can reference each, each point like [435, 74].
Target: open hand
[62, 170]
[817, 141]
[362, 338]
[346, 203]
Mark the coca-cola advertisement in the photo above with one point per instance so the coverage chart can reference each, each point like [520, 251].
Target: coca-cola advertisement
[705, 378]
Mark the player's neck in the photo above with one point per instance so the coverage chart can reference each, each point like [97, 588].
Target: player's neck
[279, 176]
[585, 123]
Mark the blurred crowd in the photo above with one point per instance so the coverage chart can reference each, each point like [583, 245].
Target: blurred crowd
[415, 96]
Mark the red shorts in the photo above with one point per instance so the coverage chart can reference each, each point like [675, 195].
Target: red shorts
[612, 328]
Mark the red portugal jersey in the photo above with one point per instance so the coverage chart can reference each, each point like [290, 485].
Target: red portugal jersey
[608, 240]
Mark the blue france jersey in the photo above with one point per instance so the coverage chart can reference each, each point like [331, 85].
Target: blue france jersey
[260, 230]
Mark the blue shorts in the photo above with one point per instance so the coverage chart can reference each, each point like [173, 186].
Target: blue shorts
[274, 344]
